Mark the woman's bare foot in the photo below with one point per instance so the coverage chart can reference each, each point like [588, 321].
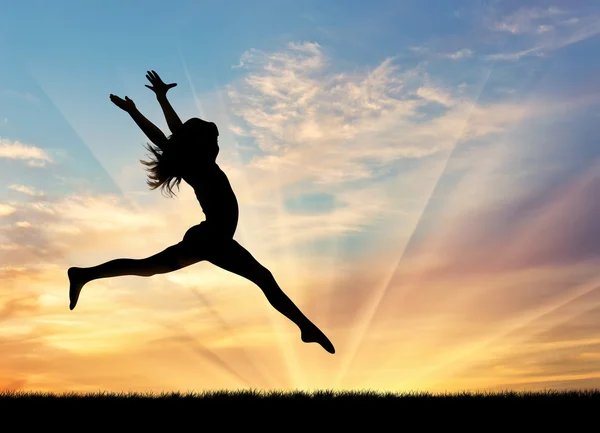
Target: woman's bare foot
[312, 334]
[76, 283]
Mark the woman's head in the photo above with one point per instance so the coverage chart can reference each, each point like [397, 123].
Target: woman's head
[198, 140]
[190, 147]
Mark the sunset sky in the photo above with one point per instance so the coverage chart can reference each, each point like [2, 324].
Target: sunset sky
[422, 177]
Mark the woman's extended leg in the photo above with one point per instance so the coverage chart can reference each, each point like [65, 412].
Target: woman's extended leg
[171, 259]
[231, 256]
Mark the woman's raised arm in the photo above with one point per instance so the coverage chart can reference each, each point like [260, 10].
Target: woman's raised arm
[154, 134]
[161, 89]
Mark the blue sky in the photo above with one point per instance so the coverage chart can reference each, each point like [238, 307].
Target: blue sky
[407, 169]
[104, 47]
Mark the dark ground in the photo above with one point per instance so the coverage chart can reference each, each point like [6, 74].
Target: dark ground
[286, 411]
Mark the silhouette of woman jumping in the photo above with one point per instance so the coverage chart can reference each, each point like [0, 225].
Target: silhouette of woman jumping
[190, 154]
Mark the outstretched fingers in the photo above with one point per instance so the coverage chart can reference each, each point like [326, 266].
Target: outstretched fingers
[153, 77]
[158, 86]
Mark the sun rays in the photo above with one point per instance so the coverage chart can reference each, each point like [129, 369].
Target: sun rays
[431, 206]
[371, 310]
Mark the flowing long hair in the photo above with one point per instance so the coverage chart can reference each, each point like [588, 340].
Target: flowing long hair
[162, 170]
[164, 167]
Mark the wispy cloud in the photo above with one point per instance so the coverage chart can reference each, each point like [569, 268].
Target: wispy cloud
[310, 122]
[526, 20]
[26, 190]
[17, 150]
[543, 30]
[460, 54]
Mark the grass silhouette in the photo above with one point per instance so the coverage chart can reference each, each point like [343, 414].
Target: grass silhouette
[361, 410]
[324, 395]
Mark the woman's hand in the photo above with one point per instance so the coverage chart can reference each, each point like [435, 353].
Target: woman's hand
[124, 104]
[158, 86]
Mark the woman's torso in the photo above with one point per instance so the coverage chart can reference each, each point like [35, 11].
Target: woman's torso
[216, 197]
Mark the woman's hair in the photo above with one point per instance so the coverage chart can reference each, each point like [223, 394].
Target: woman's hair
[162, 170]
[164, 167]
